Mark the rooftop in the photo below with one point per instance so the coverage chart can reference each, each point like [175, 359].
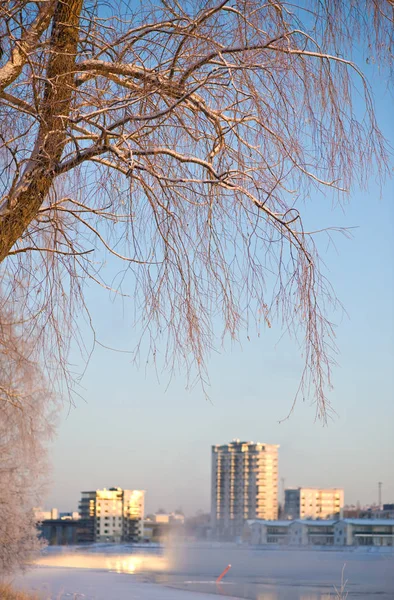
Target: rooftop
[316, 522]
[387, 522]
[324, 522]
[237, 442]
[270, 523]
[318, 489]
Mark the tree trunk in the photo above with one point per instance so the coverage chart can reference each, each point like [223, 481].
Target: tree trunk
[36, 181]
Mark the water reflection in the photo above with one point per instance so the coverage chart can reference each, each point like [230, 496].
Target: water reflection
[257, 590]
[121, 563]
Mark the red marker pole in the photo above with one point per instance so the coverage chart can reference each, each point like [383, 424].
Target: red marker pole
[226, 570]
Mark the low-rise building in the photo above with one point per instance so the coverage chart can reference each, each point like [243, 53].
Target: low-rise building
[364, 532]
[69, 515]
[308, 532]
[376, 512]
[43, 515]
[259, 532]
[160, 526]
[387, 512]
[328, 532]
[63, 532]
[167, 518]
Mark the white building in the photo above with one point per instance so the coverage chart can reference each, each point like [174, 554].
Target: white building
[168, 518]
[308, 532]
[313, 503]
[293, 533]
[364, 532]
[45, 515]
[69, 516]
[116, 515]
[260, 533]
[244, 485]
[305, 532]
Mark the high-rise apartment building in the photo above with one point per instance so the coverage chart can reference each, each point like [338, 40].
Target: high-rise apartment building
[113, 515]
[244, 485]
[313, 503]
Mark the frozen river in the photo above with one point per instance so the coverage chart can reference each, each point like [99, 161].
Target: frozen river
[285, 574]
[125, 574]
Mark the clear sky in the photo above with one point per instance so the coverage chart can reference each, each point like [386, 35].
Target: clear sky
[134, 430]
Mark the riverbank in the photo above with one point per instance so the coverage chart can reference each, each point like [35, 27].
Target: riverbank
[8, 593]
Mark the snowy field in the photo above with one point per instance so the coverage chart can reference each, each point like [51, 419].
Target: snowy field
[189, 572]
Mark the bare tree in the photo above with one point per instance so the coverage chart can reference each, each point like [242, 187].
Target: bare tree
[182, 138]
[26, 423]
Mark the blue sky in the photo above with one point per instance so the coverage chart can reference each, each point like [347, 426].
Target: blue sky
[134, 430]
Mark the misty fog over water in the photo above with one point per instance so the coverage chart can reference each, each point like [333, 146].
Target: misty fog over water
[255, 574]
[281, 574]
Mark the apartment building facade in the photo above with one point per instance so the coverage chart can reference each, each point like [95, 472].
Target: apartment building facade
[324, 532]
[261, 533]
[244, 486]
[313, 503]
[364, 532]
[113, 515]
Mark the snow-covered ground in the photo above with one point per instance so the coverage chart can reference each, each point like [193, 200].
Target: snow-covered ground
[189, 573]
[57, 583]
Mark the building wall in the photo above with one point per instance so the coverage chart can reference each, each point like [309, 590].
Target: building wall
[114, 515]
[258, 532]
[277, 533]
[298, 535]
[87, 511]
[387, 512]
[292, 503]
[244, 485]
[255, 534]
[133, 515]
[313, 503]
[63, 532]
[74, 515]
[364, 532]
[345, 532]
[45, 515]
[109, 515]
[311, 533]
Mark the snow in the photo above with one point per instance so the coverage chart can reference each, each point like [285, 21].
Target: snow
[59, 583]
[104, 572]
